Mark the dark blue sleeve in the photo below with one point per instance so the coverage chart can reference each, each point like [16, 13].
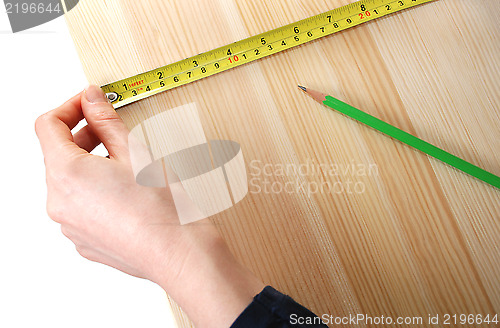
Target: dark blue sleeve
[272, 309]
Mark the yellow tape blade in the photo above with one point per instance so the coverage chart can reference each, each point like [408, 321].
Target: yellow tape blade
[194, 68]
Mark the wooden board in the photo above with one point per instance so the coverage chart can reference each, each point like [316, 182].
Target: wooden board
[416, 237]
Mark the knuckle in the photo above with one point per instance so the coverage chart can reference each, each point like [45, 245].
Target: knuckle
[54, 212]
[81, 250]
[64, 174]
[40, 122]
[65, 231]
[84, 252]
[106, 116]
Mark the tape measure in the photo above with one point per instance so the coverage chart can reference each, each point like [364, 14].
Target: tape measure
[191, 69]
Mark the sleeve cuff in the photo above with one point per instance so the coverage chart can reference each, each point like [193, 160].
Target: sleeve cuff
[270, 308]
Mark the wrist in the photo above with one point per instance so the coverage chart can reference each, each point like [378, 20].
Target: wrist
[184, 250]
[207, 280]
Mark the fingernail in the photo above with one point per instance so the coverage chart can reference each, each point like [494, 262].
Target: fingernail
[94, 94]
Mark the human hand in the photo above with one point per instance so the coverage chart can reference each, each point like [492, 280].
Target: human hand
[110, 218]
[113, 220]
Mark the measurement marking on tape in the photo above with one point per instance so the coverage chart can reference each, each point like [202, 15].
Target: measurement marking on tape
[206, 64]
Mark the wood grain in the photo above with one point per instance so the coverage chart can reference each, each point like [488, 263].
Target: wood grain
[417, 236]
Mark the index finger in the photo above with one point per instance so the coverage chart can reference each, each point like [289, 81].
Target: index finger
[54, 129]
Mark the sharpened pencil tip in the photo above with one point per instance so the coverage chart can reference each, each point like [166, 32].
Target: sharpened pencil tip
[302, 88]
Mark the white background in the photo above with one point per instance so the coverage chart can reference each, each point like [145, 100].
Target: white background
[43, 280]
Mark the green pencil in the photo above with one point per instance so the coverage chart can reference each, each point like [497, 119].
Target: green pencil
[404, 137]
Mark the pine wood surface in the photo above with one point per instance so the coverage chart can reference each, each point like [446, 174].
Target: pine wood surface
[421, 238]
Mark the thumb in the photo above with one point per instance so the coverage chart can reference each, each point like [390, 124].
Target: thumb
[104, 122]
